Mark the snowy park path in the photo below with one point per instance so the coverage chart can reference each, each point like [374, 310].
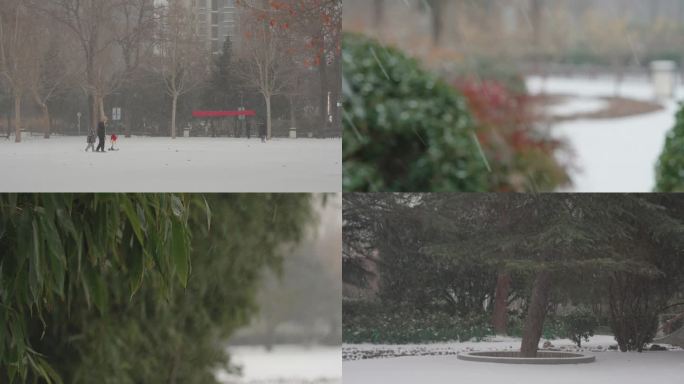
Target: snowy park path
[164, 165]
[610, 367]
[610, 155]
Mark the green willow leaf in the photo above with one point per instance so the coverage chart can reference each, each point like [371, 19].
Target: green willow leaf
[180, 253]
[208, 210]
[133, 219]
[137, 267]
[177, 206]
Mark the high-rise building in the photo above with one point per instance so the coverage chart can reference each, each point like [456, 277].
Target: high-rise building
[216, 20]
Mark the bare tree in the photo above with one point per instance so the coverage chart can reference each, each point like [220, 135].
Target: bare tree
[53, 69]
[90, 22]
[437, 19]
[314, 29]
[536, 9]
[378, 12]
[137, 22]
[266, 64]
[16, 53]
[182, 55]
[134, 30]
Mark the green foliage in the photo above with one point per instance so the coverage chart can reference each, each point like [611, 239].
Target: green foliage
[580, 324]
[670, 169]
[433, 248]
[386, 324]
[554, 327]
[373, 322]
[404, 129]
[62, 251]
[125, 316]
[224, 87]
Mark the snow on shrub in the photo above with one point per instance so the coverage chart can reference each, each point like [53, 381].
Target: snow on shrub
[404, 129]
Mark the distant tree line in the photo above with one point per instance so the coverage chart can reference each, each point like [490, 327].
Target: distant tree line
[63, 57]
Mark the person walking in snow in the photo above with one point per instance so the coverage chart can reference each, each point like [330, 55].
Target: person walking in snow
[101, 135]
[91, 141]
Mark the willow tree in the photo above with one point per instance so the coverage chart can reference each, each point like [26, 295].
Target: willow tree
[133, 288]
[65, 252]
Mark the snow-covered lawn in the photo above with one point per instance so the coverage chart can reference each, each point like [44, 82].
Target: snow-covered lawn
[286, 365]
[611, 155]
[146, 164]
[437, 363]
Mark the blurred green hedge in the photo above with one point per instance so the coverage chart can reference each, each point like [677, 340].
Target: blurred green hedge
[670, 168]
[404, 129]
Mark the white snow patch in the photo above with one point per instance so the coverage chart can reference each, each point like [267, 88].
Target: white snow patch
[286, 364]
[610, 367]
[145, 164]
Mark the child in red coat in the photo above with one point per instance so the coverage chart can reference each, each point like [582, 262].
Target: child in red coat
[114, 138]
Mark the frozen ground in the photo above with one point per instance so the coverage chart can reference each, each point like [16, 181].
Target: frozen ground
[611, 155]
[442, 366]
[163, 165]
[286, 365]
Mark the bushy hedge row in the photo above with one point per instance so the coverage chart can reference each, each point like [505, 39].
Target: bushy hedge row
[404, 129]
[375, 323]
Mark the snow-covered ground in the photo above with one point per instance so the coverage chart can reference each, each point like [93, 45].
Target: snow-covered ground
[442, 366]
[146, 164]
[611, 155]
[286, 365]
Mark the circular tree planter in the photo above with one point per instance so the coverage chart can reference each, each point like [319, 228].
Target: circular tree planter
[515, 358]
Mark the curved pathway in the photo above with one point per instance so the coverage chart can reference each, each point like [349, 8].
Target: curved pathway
[610, 155]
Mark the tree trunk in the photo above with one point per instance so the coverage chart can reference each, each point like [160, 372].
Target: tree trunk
[94, 112]
[335, 97]
[323, 71]
[500, 316]
[437, 21]
[536, 313]
[293, 121]
[17, 118]
[100, 105]
[174, 106]
[536, 20]
[46, 114]
[378, 12]
[268, 117]
[46, 119]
